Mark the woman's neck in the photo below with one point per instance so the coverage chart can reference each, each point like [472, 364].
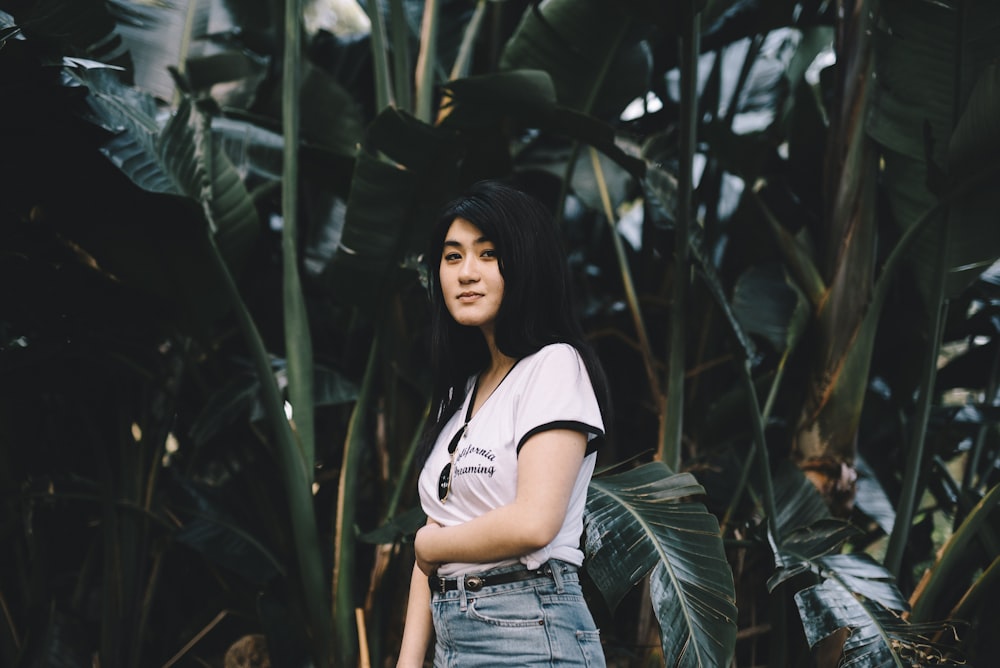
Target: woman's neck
[489, 380]
[498, 367]
[494, 373]
[499, 364]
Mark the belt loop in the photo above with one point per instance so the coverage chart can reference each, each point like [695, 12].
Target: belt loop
[462, 598]
[553, 566]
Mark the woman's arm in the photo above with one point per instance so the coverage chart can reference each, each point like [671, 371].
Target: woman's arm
[547, 468]
[417, 627]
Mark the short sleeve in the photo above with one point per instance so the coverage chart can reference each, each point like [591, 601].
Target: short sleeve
[555, 392]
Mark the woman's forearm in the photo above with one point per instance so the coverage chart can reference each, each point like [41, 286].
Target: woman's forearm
[502, 533]
[547, 469]
[418, 626]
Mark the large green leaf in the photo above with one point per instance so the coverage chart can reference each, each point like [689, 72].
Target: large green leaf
[380, 204]
[399, 528]
[158, 35]
[855, 593]
[83, 28]
[527, 96]
[218, 536]
[172, 159]
[918, 103]
[870, 497]
[130, 115]
[330, 117]
[974, 157]
[767, 303]
[802, 548]
[161, 247]
[976, 138]
[478, 101]
[879, 637]
[239, 398]
[574, 42]
[204, 173]
[640, 521]
[703, 261]
[402, 174]
[798, 502]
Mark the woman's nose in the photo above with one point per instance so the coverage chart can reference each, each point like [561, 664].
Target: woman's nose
[469, 270]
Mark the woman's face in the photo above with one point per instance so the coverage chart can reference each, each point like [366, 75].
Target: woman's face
[471, 283]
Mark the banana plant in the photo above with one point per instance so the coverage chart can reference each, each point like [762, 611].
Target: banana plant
[763, 259]
[295, 467]
[852, 360]
[847, 379]
[180, 158]
[952, 154]
[638, 524]
[857, 593]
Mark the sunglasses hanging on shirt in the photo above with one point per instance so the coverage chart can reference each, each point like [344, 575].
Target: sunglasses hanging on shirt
[444, 481]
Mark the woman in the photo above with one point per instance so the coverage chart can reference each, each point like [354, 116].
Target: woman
[521, 403]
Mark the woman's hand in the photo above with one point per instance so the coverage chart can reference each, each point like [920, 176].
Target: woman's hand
[421, 543]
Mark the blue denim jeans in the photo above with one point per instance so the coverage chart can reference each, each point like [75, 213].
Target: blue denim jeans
[539, 622]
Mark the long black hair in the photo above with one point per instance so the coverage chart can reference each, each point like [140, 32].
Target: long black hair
[537, 306]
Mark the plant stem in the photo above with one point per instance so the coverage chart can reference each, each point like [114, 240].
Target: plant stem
[401, 68]
[298, 341]
[464, 58]
[345, 537]
[623, 267]
[592, 94]
[427, 61]
[915, 456]
[988, 582]
[301, 513]
[673, 414]
[383, 78]
[952, 557]
[404, 469]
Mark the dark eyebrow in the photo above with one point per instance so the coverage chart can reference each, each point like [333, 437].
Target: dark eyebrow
[454, 244]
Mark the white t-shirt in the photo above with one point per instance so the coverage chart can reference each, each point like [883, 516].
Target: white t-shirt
[547, 390]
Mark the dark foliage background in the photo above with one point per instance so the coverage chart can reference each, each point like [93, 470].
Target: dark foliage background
[781, 220]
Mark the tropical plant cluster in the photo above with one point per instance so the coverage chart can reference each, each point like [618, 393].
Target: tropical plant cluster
[781, 219]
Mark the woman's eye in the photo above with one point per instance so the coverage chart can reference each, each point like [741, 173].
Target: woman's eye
[451, 257]
[490, 252]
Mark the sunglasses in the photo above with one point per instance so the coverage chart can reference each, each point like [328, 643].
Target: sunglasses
[444, 480]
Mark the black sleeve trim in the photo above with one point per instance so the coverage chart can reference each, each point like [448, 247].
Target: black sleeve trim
[574, 425]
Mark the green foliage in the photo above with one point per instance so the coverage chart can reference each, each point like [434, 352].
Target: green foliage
[858, 594]
[156, 503]
[637, 523]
